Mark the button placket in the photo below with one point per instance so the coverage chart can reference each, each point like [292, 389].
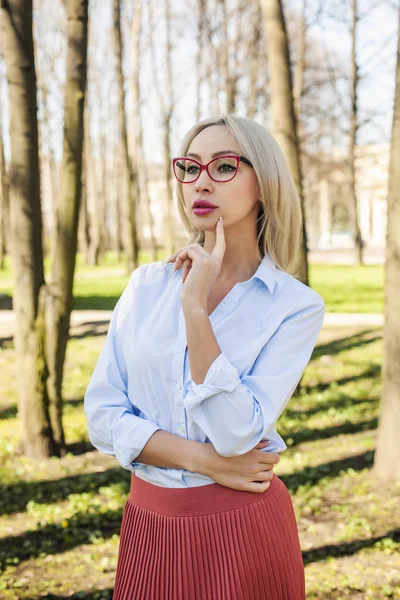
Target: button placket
[180, 418]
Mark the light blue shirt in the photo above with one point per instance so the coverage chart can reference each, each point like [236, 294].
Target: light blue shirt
[266, 328]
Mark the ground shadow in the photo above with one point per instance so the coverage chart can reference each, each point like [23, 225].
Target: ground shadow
[11, 411]
[347, 548]
[373, 370]
[330, 470]
[6, 302]
[95, 302]
[347, 343]
[83, 528]
[15, 497]
[7, 341]
[78, 448]
[90, 329]
[105, 594]
[323, 407]
[312, 435]
[8, 412]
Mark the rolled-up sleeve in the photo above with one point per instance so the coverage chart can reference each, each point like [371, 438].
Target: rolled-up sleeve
[235, 412]
[114, 424]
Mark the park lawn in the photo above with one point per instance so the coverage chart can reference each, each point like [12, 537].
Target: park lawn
[345, 288]
[59, 529]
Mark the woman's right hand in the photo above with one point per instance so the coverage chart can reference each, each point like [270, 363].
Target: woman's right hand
[250, 472]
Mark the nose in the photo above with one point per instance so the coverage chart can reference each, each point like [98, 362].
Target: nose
[204, 182]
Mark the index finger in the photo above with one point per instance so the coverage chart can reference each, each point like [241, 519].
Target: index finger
[219, 249]
[270, 458]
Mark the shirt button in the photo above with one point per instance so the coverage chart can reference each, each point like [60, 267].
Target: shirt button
[181, 429]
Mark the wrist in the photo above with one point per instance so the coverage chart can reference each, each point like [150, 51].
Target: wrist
[199, 458]
[191, 306]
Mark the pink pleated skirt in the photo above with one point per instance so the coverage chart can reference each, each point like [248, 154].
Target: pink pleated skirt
[209, 543]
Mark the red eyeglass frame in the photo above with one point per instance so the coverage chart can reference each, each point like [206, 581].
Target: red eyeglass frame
[202, 167]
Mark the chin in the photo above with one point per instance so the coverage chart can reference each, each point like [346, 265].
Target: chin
[205, 227]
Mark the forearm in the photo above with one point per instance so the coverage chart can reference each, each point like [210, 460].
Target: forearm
[202, 344]
[165, 449]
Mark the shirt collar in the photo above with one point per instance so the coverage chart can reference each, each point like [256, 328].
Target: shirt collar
[267, 272]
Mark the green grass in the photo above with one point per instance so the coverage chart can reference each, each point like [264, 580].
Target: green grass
[59, 529]
[347, 288]
[344, 288]
[98, 294]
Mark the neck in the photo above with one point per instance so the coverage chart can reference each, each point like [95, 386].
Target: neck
[240, 260]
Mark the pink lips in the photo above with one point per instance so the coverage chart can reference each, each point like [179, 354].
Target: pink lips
[202, 210]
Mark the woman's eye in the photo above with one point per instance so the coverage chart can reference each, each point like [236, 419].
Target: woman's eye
[227, 167]
[192, 170]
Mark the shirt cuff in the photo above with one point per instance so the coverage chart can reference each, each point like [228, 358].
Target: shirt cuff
[124, 453]
[222, 376]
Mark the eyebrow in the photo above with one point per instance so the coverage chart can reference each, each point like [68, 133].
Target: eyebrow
[215, 153]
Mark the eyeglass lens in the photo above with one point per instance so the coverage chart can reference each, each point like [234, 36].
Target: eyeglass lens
[220, 169]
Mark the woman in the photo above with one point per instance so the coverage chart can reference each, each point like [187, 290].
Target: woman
[202, 355]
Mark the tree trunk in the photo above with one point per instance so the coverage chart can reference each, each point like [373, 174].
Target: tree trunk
[83, 229]
[358, 243]
[201, 16]
[299, 72]
[137, 133]
[54, 192]
[59, 302]
[229, 89]
[102, 203]
[165, 96]
[4, 204]
[168, 108]
[92, 191]
[254, 64]
[283, 112]
[169, 243]
[119, 194]
[212, 55]
[387, 456]
[47, 161]
[131, 242]
[25, 221]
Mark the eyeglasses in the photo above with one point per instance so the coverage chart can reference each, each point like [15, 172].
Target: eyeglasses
[221, 169]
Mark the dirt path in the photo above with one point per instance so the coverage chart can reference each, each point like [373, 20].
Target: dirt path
[82, 317]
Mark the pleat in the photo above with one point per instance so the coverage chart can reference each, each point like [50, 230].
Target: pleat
[201, 563]
[246, 552]
[231, 558]
[287, 556]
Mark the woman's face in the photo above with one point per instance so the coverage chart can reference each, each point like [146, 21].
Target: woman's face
[237, 199]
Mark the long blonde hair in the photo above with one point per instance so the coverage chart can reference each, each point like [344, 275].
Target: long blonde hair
[279, 221]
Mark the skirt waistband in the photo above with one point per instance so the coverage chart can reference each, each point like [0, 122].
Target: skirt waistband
[193, 501]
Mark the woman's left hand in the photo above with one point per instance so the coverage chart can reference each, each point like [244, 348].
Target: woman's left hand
[200, 269]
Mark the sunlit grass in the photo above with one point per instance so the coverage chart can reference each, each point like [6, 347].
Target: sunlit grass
[61, 517]
[345, 288]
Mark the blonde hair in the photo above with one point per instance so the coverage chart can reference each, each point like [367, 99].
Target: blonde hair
[279, 221]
